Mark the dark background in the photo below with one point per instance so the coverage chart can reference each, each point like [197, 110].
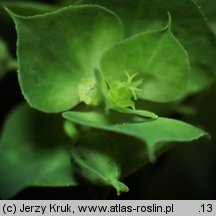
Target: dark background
[188, 171]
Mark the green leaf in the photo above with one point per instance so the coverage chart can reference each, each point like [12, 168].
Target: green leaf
[58, 50]
[156, 57]
[95, 158]
[33, 152]
[189, 26]
[156, 134]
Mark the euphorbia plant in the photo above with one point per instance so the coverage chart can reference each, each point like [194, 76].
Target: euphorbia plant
[90, 64]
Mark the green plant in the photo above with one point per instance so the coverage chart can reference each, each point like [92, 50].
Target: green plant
[91, 65]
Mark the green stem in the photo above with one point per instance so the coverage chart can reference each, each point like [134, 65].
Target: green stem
[119, 186]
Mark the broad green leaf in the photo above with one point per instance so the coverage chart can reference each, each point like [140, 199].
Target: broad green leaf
[95, 158]
[158, 59]
[6, 61]
[156, 134]
[188, 26]
[33, 152]
[58, 50]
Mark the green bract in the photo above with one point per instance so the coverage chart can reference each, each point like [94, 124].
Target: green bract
[68, 44]
[188, 25]
[156, 57]
[73, 56]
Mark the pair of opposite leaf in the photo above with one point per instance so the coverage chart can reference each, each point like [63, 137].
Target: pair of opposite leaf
[67, 57]
[138, 17]
[96, 43]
